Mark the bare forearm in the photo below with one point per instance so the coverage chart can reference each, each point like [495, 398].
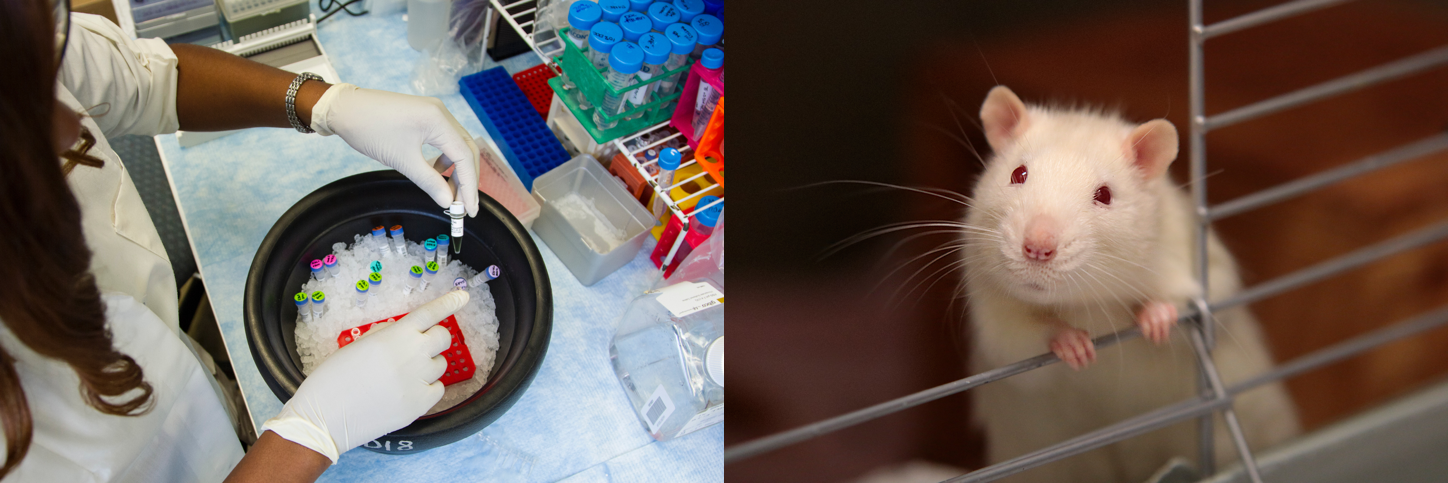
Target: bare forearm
[217, 91]
[274, 459]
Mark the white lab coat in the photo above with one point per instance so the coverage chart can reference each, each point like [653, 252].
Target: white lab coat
[127, 87]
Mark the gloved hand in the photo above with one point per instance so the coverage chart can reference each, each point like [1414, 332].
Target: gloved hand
[371, 387]
[391, 128]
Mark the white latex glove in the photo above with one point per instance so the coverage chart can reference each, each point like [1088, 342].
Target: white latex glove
[371, 387]
[391, 128]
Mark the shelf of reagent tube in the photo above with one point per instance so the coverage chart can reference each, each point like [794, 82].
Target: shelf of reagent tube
[630, 146]
[523, 17]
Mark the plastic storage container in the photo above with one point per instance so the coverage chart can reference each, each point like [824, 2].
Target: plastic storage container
[669, 356]
[591, 242]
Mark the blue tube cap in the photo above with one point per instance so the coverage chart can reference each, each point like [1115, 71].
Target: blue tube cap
[670, 159]
[635, 25]
[712, 7]
[604, 36]
[688, 9]
[708, 217]
[379, 231]
[709, 28]
[627, 57]
[612, 9]
[663, 14]
[639, 5]
[583, 14]
[443, 240]
[656, 47]
[301, 298]
[682, 38]
[712, 58]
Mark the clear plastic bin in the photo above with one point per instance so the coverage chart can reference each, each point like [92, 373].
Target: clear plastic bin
[589, 219]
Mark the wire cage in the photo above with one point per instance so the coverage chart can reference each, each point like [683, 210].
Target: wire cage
[1216, 398]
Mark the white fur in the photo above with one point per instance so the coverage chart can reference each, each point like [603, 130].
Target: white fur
[1111, 259]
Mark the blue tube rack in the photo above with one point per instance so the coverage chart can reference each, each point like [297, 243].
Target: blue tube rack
[513, 123]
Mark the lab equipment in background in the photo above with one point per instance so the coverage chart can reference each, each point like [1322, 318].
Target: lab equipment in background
[330, 261]
[663, 15]
[184, 21]
[634, 25]
[429, 250]
[375, 280]
[639, 5]
[240, 18]
[699, 76]
[600, 239]
[442, 246]
[672, 230]
[613, 9]
[708, 97]
[399, 244]
[668, 355]
[414, 277]
[454, 49]
[291, 47]
[688, 9]
[523, 139]
[582, 16]
[487, 275]
[361, 296]
[426, 23]
[625, 60]
[304, 314]
[533, 81]
[656, 53]
[710, 30]
[682, 40]
[319, 304]
[605, 35]
[429, 272]
[458, 213]
[318, 270]
[705, 217]
[668, 161]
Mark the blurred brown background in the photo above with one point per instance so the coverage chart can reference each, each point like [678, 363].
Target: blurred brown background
[862, 90]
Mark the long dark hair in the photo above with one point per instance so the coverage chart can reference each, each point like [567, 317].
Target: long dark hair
[50, 301]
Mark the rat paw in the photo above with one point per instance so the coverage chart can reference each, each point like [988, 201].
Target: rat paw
[1074, 347]
[1156, 320]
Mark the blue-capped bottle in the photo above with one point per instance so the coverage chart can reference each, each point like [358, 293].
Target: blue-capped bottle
[635, 25]
[663, 15]
[613, 9]
[682, 40]
[669, 160]
[601, 40]
[668, 355]
[623, 62]
[710, 30]
[708, 97]
[688, 9]
[656, 54]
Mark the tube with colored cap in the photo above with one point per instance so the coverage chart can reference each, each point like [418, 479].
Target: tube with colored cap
[582, 16]
[656, 54]
[708, 96]
[330, 261]
[361, 297]
[414, 277]
[442, 245]
[669, 160]
[688, 9]
[710, 30]
[303, 313]
[625, 60]
[613, 9]
[375, 279]
[458, 213]
[399, 243]
[429, 272]
[379, 239]
[682, 40]
[485, 276]
[635, 25]
[319, 304]
[601, 40]
[318, 270]
[429, 250]
[663, 15]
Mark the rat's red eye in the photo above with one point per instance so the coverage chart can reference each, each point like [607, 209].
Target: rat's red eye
[1019, 175]
[1103, 195]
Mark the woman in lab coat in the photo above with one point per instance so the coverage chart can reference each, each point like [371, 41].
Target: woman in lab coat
[97, 383]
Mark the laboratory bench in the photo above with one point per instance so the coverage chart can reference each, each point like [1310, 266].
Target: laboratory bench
[574, 423]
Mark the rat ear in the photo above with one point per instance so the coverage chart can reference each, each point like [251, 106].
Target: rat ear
[1003, 116]
[1152, 147]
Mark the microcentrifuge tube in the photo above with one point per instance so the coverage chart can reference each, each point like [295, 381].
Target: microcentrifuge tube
[303, 313]
[460, 284]
[375, 279]
[429, 250]
[487, 275]
[399, 243]
[442, 245]
[414, 276]
[682, 40]
[317, 273]
[319, 301]
[330, 261]
[362, 287]
[379, 239]
[669, 160]
[376, 266]
[429, 271]
[458, 213]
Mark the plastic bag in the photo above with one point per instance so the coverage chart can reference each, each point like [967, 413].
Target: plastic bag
[706, 261]
[552, 15]
[461, 52]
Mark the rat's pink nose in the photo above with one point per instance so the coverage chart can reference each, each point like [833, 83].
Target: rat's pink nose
[1040, 239]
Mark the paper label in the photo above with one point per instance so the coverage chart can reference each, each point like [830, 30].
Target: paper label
[689, 297]
[713, 415]
[640, 96]
[657, 409]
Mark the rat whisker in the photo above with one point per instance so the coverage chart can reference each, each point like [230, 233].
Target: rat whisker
[941, 193]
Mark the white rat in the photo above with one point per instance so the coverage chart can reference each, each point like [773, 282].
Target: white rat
[1076, 231]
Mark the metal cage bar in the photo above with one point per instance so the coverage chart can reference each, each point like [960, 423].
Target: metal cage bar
[1215, 397]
